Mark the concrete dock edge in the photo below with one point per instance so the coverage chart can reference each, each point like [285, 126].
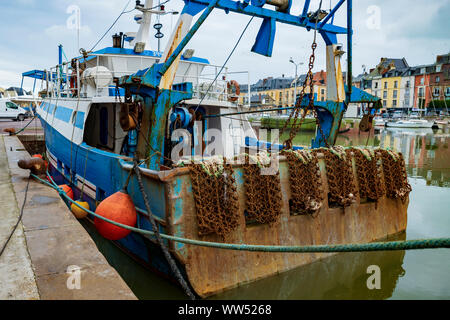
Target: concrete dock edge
[51, 255]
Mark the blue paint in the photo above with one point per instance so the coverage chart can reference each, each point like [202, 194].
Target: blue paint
[62, 113]
[188, 37]
[79, 120]
[192, 8]
[264, 145]
[282, 17]
[265, 38]
[112, 91]
[145, 53]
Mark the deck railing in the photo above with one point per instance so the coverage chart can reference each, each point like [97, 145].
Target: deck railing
[209, 81]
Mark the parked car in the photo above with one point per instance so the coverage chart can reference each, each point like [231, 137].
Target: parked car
[10, 110]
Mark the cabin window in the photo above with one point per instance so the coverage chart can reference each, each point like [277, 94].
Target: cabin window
[103, 126]
[100, 129]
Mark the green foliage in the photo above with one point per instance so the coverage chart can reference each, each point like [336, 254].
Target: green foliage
[278, 123]
[439, 104]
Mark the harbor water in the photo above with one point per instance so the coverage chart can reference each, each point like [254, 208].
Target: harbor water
[415, 274]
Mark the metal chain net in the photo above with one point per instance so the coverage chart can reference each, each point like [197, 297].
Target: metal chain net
[262, 191]
[215, 196]
[341, 189]
[395, 177]
[368, 172]
[305, 181]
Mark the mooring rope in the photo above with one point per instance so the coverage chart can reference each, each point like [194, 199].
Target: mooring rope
[433, 243]
[16, 133]
[18, 219]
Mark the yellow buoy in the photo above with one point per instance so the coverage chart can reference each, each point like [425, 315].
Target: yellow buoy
[77, 211]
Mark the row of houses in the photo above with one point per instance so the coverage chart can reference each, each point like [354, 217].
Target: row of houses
[402, 86]
[398, 85]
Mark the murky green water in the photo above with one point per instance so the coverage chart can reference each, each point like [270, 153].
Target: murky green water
[416, 274]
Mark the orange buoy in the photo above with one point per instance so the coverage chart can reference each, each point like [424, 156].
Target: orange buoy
[37, 156]
[117, 207]
[77, 211]
[67, 190]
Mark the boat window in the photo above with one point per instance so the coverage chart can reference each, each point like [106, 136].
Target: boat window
[99, 129]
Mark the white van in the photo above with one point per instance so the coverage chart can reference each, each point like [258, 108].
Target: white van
[10, 110]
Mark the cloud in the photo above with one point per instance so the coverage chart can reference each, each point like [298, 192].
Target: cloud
[414, 29]
[9, 79]
[61, 31]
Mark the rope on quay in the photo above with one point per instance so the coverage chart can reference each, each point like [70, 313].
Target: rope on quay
[351, 247]
[16, 133]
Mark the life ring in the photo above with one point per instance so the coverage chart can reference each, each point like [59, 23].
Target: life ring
[237, 90]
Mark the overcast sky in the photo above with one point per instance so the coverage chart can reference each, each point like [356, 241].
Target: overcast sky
[415, 29]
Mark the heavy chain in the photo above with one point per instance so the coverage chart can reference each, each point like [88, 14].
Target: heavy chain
[296, 111]
[394, 172]
[368, 171]
[341, 188]
[215, 196]
[297, 108]
[262, 191]
[305, 181]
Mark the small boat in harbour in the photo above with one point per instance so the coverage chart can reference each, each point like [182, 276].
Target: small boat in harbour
[410, 123]
[128, 120]
[441, 123]
[379, 122]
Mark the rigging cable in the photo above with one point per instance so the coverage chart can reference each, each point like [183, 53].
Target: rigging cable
[115, 21]
[224, 64]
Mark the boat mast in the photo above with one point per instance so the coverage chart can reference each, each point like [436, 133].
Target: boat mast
[141, 41]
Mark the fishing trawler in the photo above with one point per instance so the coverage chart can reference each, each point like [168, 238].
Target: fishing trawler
[127, 120]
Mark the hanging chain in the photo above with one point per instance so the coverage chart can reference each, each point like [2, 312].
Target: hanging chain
[296, 111]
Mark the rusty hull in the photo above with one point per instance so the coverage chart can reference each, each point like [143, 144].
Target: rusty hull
[211, 271]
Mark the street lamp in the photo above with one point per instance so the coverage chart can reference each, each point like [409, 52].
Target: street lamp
[295, 88]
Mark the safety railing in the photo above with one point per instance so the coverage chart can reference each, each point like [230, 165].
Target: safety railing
[209, 81]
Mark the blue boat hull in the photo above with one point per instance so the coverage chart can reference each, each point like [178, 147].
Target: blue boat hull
[105, 172]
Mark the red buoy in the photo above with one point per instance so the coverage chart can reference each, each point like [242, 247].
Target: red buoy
[37, 156]
[117, 207]
[67, 190]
